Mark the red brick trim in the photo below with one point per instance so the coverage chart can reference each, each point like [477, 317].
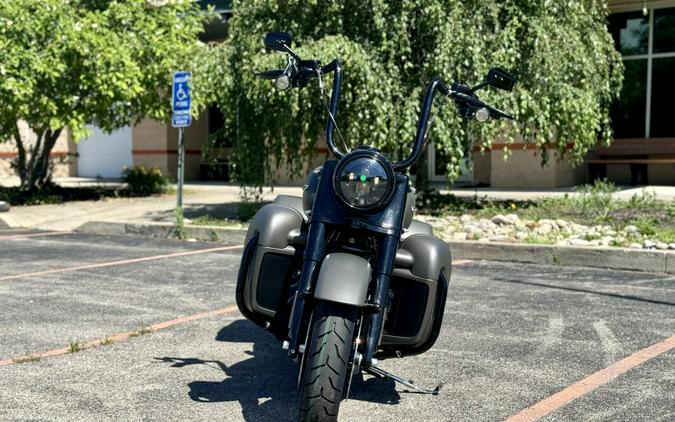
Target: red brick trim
[164, 152]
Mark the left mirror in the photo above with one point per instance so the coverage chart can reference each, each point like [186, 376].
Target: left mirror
[277, 40]
[500, 78]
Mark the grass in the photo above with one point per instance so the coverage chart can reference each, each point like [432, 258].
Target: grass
[207, 220]
[54, 194]
[75, 346]
[237, 220]
[106, 341]
[140, 332]
[592, 205]
[179, 224]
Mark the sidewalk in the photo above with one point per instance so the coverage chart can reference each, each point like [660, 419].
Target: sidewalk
[221, 200]
[664, 193]
[212, 199]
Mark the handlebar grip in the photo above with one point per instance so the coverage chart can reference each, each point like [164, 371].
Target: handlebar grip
[270, 74]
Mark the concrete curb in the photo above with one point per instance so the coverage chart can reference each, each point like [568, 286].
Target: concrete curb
[653, 261]
[164, 230]
[595, 257]
[4, 224]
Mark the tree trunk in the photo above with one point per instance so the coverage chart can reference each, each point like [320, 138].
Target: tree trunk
[32, 163]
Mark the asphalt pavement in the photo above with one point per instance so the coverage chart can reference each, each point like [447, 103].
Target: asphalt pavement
[513, 336]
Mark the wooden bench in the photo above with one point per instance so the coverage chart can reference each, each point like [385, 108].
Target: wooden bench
[638, 153]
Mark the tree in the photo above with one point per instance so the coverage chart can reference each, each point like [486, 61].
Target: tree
[568, 70]
[69, 63]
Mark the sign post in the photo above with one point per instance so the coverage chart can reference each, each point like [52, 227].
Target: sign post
[181, 118]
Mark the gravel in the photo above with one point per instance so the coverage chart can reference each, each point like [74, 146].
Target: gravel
[511, 228]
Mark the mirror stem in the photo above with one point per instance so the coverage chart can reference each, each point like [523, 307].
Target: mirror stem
[291, 52]
[480, 86]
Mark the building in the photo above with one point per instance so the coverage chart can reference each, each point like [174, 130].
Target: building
[643, 150]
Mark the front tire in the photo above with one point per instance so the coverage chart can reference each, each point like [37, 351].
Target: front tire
[326, 366]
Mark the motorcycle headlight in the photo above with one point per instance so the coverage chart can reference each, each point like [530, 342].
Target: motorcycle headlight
[364, 181]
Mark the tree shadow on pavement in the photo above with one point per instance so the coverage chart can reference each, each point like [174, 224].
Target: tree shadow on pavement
[265, 384]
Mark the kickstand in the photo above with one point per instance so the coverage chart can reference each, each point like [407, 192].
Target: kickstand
[373, 370]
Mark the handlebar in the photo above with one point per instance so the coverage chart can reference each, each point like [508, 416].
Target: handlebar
[436, 84]
[301, 71]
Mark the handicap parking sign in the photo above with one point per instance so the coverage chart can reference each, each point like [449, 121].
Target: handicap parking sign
[181, 120]
[180, 100]
[181, 91]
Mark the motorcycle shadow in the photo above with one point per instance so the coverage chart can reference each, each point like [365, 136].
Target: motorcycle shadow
[265, 384]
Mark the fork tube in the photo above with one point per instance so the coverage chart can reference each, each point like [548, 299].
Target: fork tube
[384, 267]
[314, 249]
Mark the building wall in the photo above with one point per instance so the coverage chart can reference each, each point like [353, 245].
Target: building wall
[156, 144]
[523, 169]
[62, 157]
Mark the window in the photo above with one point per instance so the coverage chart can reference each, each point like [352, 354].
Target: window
[216, 128]
[647, 44]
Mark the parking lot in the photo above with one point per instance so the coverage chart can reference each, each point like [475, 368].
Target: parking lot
[163, 341]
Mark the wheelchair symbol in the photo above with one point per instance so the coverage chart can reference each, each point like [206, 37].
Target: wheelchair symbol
[181, 94]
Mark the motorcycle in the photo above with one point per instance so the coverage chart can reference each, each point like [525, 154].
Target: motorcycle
[344, 277]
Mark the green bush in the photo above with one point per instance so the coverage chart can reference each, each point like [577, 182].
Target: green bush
[142, 181]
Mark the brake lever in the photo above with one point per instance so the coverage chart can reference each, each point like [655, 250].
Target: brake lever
[500, 114]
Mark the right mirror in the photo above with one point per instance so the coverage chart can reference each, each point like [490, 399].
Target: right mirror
[277, 40]
[500, 78]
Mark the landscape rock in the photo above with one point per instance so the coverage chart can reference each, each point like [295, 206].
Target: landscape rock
[501, 220]
[466, 218]
[4, 206]
[459, 236]
[579, 242]
[631, 230]
[511, 228]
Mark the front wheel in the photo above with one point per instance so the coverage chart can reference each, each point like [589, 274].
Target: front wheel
[326, 364]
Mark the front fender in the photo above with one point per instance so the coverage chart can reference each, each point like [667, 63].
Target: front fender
[343, 278]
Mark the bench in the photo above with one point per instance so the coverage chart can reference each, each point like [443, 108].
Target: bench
[637, 153]
[214, 171]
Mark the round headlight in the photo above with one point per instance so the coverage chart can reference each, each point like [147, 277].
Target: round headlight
[364, 181]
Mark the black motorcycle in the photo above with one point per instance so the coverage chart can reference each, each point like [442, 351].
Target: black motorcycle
[344, 276]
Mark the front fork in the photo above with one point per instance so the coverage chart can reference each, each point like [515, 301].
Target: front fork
[314, 253]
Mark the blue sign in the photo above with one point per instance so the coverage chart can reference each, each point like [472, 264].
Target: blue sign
[181, 91]
[180, 100]
[181, 120]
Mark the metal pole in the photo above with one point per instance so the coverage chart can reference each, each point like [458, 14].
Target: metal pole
[181, 166]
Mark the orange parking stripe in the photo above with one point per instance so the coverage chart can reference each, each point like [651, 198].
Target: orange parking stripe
[591, 382]
[21, 236]
[120, 262]
[462, 261]
[119, 337]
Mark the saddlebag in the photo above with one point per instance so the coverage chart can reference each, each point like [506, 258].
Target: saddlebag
[270, 266]
[417, 292]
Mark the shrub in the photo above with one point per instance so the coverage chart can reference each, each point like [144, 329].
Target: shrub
[142, 181]
[596, 201]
